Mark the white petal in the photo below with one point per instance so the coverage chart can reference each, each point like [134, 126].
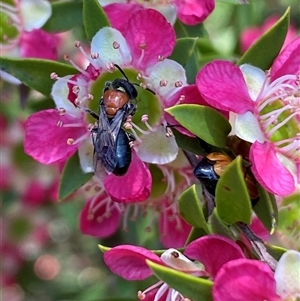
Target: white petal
[168, 70]
[102, 43]
[59, 93]
[168, 10]
[85, 152]
[178, 261]
[247, 128]
[254, 78]
[287, 275]
[106, 2]
[35, 13]
[156, 148]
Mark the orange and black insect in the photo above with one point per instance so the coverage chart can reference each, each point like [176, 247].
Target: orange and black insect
[210, 168]
[112, 150]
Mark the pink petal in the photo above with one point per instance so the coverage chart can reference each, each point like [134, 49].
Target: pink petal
[35, 194]
[45, 141]
[147, 46]
[249, 36]
[213, 251]
[39, 44]
[134, 186]
[222, 85]
[288, 61]
[192, 12]
[129, 261]
[269, 171]
[116, 12]
[245, 279]
[173, 230]
[98, 219]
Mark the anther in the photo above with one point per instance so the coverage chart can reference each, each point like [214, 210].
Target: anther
[143, 45]
[163, 82]
[53, 76]
[116, 45]
[97, 188]
[141, 295]
[175, 254]
[77, 102]
[77, 44]
[94, 55]
[66, 57]
[160, 58]
[62, 111]
[181, 98]
[143, 85]
[59, 123]
[144, 118]
[139, 76]
[70, 141]
[111, 67]
[75, 89]
[178, 84]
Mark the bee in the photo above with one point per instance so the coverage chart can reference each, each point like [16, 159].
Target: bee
[211, 167]
[112, 145]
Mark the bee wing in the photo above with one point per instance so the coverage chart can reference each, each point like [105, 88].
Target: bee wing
[104, 141]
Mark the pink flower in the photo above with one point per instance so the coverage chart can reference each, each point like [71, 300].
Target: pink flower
[67, 130]
[250, 35]
[190, 12]
[267, 108]
[129, 262]
[246, 279]
[24, 38]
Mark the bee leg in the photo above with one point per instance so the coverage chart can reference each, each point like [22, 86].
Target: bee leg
[93, 114]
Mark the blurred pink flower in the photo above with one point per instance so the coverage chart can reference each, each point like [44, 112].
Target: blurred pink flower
[267, 108]
[251, 34]
[24, 38]
[190, 12]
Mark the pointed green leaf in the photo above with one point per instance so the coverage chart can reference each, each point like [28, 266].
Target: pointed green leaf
[204, 122]
[94, 18]
[183, 50]
[59, 22]
[275, 251]
[187, 31]
[191, 210]
[194, 288]
[72, 178]
[219, 227]
[35, 73]
[194, 234]
[266, 209]
[232, 197]
[263, 52]
[103, 249]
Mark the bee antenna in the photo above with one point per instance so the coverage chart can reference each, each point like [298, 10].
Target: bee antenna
[120, 69]
[136, 84]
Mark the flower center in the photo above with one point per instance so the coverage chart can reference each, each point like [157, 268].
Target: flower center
[11, 23]
[278, 111]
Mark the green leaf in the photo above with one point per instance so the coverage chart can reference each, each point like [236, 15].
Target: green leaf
[194, 288]
[183, 50]
[35, 73]
[275, 251]
[232, 198]
[186, 31]
[266, 209]
[72, 178]
[263, 52]
[194, 234]
[94, 18]
[191, 210]
[60, 21]
[219, 227]
[204, 122]
[103, 249]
